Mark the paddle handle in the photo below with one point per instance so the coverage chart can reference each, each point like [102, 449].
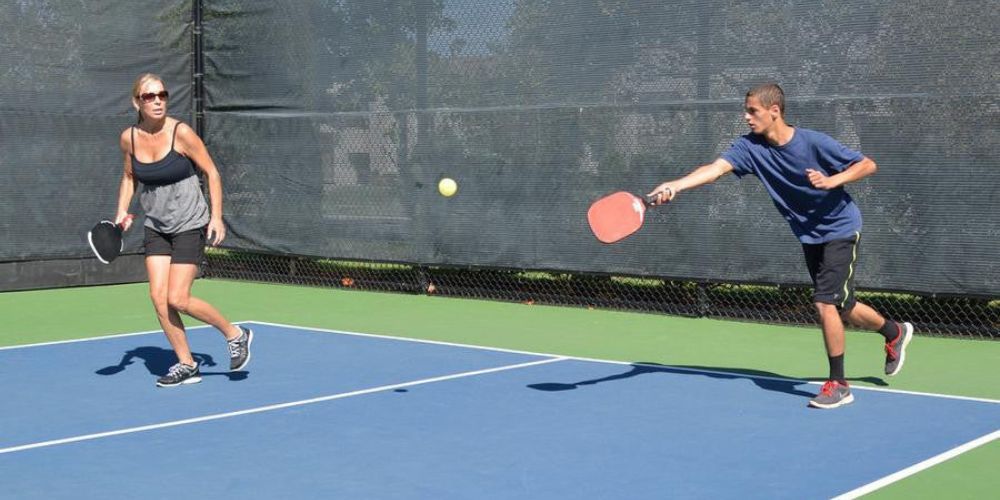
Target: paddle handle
[651, 198]
[125, 220]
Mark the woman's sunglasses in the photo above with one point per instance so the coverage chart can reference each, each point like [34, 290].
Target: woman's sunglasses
[149, 96]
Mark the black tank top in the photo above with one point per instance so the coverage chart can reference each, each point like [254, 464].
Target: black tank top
[172, 168]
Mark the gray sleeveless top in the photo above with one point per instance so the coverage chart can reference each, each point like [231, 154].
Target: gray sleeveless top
[171, 194]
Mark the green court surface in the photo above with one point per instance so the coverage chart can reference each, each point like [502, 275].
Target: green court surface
[934, 365]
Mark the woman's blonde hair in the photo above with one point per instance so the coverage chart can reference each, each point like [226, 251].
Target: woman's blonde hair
[137, 86]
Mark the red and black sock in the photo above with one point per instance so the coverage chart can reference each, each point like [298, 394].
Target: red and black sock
[890, 330]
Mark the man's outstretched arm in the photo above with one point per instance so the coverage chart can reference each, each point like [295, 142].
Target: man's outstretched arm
[704, 174]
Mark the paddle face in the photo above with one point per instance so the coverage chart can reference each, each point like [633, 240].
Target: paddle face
[106, 241]
[615, 216]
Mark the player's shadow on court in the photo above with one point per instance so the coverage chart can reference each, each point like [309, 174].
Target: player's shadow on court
[765, 380]
[158, 361]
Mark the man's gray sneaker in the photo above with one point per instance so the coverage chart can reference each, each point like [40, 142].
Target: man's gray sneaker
[895, 349]
[239, 350]
[180, 374]
[832, 395]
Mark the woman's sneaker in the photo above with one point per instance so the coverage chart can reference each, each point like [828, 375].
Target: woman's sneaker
[239, 350]
[180, 374]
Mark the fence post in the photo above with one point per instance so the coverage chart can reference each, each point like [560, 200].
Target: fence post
[197, 68]
[704, 303]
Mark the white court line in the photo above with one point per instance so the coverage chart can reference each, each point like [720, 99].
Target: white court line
[897, 476]
[103, 337]
[913, 469]
[613, 362]
[261, 409]
[530, 353]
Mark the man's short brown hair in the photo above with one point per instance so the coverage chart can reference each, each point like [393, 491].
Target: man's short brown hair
[769, 94]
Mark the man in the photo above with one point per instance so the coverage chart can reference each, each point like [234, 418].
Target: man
[804, 171]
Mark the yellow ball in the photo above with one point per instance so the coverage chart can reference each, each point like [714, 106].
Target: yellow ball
[447, 187]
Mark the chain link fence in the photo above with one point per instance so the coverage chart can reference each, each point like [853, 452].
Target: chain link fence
[976, 318]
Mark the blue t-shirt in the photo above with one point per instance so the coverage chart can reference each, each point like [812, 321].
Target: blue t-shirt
[815, 215]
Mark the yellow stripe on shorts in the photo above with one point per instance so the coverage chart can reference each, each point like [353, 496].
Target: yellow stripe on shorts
[850, 272]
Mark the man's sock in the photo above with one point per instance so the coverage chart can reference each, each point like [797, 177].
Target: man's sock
[837, 369]
[890, 330]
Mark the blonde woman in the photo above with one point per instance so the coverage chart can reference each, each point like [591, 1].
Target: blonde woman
[164, 155]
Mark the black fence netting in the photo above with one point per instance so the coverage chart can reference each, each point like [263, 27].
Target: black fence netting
[332, 123]
[66, 71]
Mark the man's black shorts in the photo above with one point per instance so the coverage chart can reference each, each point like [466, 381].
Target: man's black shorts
[185, 247]
[831, 266]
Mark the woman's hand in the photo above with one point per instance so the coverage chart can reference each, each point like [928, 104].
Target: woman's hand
[216, 232]
[123, 219]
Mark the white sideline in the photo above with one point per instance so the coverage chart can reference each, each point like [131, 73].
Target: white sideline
[613, 362]
[88, 339]
[261, 409]
[855, 493]
[530, 353]
[915, 468]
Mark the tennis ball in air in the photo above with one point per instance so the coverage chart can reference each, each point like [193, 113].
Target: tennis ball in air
[447, 187]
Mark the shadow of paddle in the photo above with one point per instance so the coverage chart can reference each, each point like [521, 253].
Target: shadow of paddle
[158, 361]
[765, 380]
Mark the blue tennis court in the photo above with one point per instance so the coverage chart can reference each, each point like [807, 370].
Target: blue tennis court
[344, 415]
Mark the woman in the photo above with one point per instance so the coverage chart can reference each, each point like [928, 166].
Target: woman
[162, 153]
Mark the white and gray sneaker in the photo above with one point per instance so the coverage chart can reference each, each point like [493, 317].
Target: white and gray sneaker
[833, 394]
[239, 350]
[180, 374]
[895, 349]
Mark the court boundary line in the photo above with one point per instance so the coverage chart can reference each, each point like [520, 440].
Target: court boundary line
[88, 339]
[529, 353]
[276, 406]
[630, 363]
[862, 490]
[919, 466]
[549, 358]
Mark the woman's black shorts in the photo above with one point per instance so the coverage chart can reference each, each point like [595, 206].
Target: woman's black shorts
[185, 247]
